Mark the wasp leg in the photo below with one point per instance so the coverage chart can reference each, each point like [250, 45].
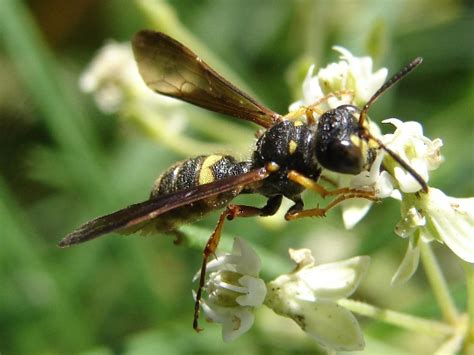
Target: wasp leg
[328, 180]
[343, 194]
[321, 212]
[296, 208]
[230, 213]
[307, 183]
[272, 206]
[312, 185]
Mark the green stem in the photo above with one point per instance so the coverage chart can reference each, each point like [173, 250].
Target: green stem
[438, 284]
[402, 320]
[469, 269]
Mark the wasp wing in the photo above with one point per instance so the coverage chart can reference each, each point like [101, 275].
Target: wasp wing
[170, 68]
[145, 211]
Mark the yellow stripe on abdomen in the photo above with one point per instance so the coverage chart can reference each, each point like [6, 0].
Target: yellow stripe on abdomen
[206, 174]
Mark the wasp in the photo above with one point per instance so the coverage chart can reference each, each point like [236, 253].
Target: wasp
[288, 157]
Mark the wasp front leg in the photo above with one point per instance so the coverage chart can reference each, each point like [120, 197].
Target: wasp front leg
[342, 195]
[231, 212]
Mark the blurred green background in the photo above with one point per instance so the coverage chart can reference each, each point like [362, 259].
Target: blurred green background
[63, 162]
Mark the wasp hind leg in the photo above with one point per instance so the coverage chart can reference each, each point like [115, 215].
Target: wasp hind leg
[342, 194]
[231, 212]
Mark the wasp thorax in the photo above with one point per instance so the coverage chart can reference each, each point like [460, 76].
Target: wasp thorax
[339, 146]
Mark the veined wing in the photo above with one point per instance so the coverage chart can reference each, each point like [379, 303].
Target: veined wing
[152, 208]
[170, 68]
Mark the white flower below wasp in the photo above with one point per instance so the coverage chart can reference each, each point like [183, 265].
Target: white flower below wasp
[308, 295]
[234, 290]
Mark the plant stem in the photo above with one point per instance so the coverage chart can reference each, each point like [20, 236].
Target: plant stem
[402, 320]
[438, 284]
[469, 269]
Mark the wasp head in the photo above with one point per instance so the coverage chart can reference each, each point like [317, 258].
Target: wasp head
[340, 145]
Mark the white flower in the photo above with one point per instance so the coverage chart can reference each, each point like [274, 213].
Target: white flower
[375, 179]
[355, 75]
[113, 78]
[351, 74]
[435, 216]
[421, 153]
[409, 263]
[309, 293]
[408, 142]
[234, 290]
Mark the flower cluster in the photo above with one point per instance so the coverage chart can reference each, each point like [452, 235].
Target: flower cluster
[424, 216]
[308, 295]
[352, 77]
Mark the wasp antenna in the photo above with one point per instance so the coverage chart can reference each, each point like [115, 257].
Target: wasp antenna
[388, 84]
[399, 160]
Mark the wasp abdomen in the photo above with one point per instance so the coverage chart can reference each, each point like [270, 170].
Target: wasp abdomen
[200, 170]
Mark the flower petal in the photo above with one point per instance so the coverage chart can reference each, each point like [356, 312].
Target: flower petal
[406, 181]
[412, 219]
[361, 78]
[330, 324]
[256, 291]
[408, 265]
[335, 280]
[311, 89]
[453, 220]
[243, 259]
[237, 323]
[213, 313]
[354, 210]
[249, 262]
[303, 258]
[419, 152]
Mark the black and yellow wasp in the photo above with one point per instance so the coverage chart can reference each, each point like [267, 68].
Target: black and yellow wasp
[288, 157]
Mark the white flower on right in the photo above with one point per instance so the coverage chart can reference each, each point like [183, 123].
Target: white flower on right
[421, 153]
[308, 295]
[436, 216]
[375, 179]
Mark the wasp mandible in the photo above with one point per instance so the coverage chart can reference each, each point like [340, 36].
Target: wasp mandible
[288, 158]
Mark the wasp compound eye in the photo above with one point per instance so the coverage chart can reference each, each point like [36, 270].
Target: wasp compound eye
[338, 146]
[341, 156]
